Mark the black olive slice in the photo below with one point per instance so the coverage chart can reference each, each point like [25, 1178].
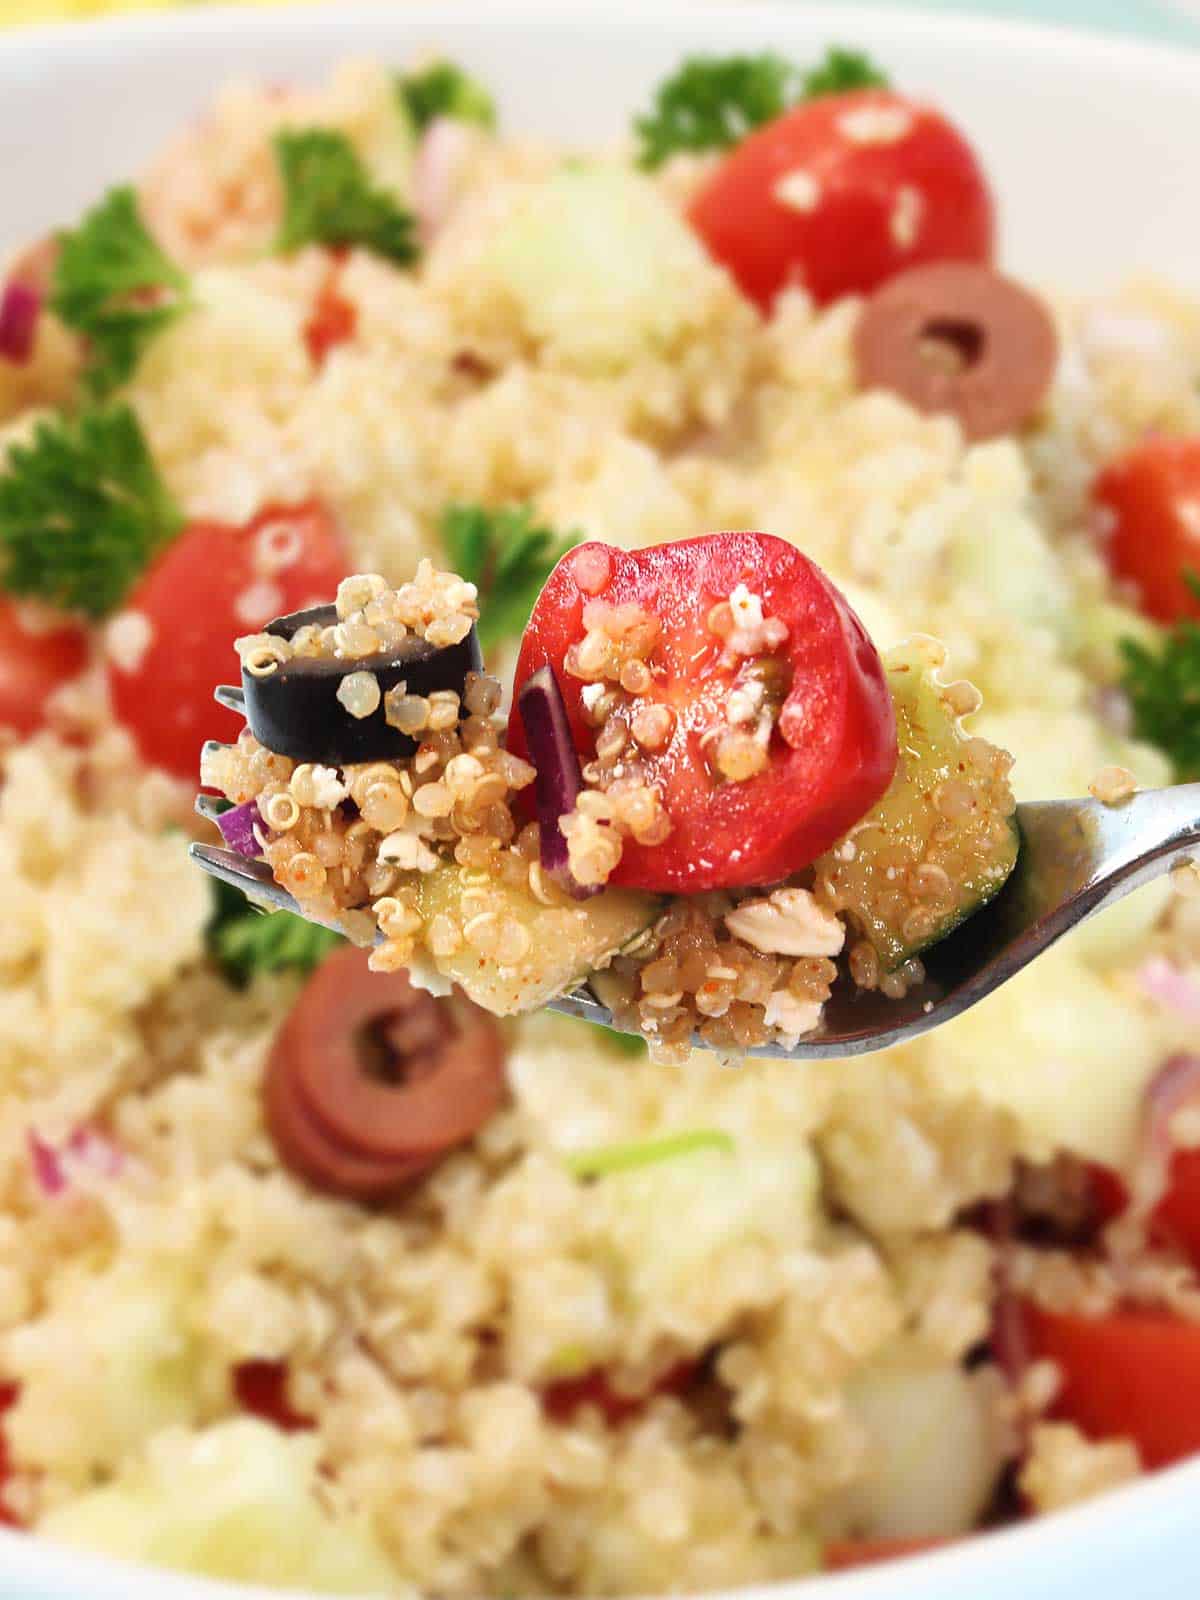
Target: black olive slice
[296, 712]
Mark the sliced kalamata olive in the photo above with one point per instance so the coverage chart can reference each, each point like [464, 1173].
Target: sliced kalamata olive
[961, 339]
[371, 1078]
[295, 709]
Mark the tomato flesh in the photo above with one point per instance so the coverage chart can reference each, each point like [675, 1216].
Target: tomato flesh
[1153, 497]
[832, 751]
[261, 1389]
[32, 666]
[842, 1555]
[334, 320]
[1175, 1221]
[212, 584]
[841, 193]
[561, 1400]
[8, 1399]
[1131, 1373]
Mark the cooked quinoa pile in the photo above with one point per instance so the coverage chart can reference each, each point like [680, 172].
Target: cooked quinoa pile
[802, 1245]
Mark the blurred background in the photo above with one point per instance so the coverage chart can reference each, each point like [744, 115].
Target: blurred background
[1177, 20]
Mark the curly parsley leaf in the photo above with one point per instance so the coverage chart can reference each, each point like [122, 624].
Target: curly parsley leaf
[329, 199]
[445, 90]
[116, 288]
[82, 511]
[1164, 692]
[245, 942]
[508, 557]
[713, 102]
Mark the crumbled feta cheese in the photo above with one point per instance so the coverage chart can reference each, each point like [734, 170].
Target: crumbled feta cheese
[591, 693]
[325, 787]
[798, 191]
[746, 607]
[788, 922]
[791, 1016]
[407, 851]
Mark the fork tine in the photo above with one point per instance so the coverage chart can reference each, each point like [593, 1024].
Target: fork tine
[208, 806]
[230, 696]
[253, 878]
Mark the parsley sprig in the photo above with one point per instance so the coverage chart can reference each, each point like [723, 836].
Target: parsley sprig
[329, 199]
[1164, 692]
[116, 288]
[245, 942]
[82, 511]
[508, 556]
[712, 102]
[445, 90]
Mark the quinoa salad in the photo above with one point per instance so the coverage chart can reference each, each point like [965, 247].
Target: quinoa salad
[328, 1259]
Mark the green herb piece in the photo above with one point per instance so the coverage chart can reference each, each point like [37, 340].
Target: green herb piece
[621, 1044]
[508, 557]
[82, 511]
[841, 72]
[608, 1159]
[713, 102]
[245, 942]
[329, 199]
[114, 286]
[444, 90]
[1164, 691]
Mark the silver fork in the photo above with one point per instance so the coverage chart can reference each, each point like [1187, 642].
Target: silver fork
[1077, 857]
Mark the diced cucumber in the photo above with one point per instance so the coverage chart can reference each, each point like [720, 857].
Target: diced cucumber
[942, 841]
[566, 941]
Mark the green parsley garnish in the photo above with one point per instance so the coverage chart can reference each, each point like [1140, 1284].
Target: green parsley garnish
[1164, 692]
[329, 199]
[245, 942]
[712, 102]
[444, 90]
[610, 1158]
[508, 557]
[114, 286]
[82, 511]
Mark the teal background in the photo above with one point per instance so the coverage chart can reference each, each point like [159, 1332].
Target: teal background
[1173, 21]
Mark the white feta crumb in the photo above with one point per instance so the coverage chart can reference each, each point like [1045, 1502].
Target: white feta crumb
[875, 124]
[327, 788]
[798, 191]
[1113, 785]
[127, 638]
[423, 974]
[789, 922]
[258, 603]
[408, 851]
[791, 1016]
[746, 607]
[590, 694]
[905, 221]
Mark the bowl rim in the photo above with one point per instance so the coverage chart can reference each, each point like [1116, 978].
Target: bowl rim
[66, 1572]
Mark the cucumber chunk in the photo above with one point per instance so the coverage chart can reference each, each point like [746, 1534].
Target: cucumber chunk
[942, 841]
[566, 940]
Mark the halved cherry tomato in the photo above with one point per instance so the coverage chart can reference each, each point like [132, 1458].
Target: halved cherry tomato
[32, 666]
[841, 1555]
[212, 584]
[831, 753]
[261, 1389]
[334, 320]
[842, 192]
[1132, 1373]
[1175, 1222]
[561, 1400]
[1153, 493]
[8, 1398]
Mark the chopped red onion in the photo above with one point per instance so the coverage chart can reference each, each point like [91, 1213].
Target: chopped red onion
[559, 780]
[86, 1147]
[1161, 980]
[20, 307]
[1009, 1340]
[440, 155]
[237, 827]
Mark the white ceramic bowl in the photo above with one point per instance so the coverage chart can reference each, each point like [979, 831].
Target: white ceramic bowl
[1091, 146]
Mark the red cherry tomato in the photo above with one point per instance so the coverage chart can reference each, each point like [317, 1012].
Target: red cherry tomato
[32, 666]
[843, 1554]
[1175, 1222]
[213, 584]
[261, 1389]
[841, 193]
[832, 750]
[561, 1400]
[334, 320]
[1153, 494]
[8, 1399]
[1131, 1373]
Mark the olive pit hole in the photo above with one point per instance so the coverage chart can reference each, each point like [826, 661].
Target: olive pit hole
[402, 1047]
[951, 345]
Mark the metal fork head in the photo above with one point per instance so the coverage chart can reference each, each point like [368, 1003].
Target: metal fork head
[1076, 858]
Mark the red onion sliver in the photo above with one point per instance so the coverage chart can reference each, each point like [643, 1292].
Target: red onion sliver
[237, 827]
[86, 1147]
[438, 161]
[1174, 1085]
[1161, 980]
[20, 307]
[556, 761]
